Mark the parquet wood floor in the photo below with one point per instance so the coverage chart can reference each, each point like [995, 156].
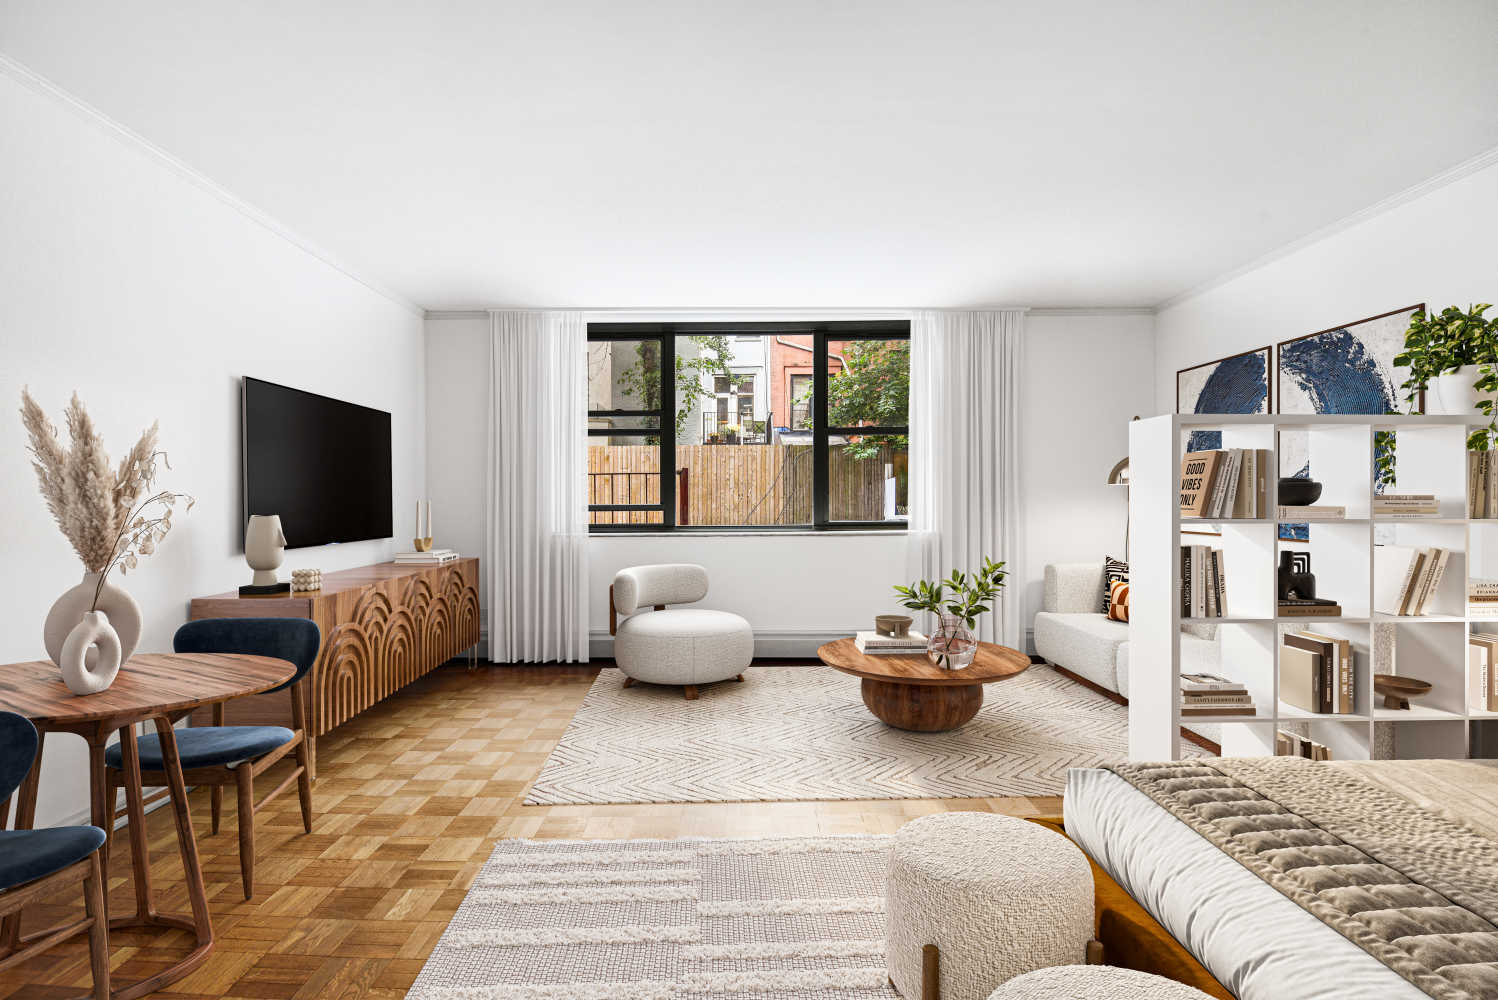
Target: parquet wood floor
[410, 798]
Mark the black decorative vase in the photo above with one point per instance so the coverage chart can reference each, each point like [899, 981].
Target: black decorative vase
[1296, 581]
[1299, 492]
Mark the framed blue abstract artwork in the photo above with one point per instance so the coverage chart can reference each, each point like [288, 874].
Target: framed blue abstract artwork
[1347, 369]
[1239, 384]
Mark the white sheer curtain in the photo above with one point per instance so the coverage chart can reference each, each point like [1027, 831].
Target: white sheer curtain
[537, 505]
[965, 414]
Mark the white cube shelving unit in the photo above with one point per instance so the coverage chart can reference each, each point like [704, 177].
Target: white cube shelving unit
[1430, 457]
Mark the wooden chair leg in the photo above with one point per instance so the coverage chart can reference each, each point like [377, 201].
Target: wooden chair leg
[740, 678]
[111, 799]
[629, 682]
[243, 778]
[690, 691]
[216, 798]
[98, 931]
[304, 785]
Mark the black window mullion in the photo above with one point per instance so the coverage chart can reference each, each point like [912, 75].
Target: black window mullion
[667, 460]
[821, 460]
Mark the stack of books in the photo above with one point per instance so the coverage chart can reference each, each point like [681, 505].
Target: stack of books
[1405, 578]
[1309, 607]
[1204, 585]
[1482, 598]
[1290, 745]
[1225, 484]
[1482, 672]
[1209, 694]
[436, 557]
[1316, 673]
[1311, 513]
[1406, 506]
[874, 644]
[1482, 492]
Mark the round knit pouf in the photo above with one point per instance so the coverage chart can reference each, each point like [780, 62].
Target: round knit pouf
[1093, 982]
[998, 896]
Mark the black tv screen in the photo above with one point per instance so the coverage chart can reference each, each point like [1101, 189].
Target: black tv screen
[322, 464]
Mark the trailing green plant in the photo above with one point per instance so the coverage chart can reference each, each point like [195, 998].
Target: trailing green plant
[969, 597]
[1436, 345]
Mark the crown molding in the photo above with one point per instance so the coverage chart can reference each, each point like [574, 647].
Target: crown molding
[161, 157]
[1097, 311]
[456, 314]
[1425, 187]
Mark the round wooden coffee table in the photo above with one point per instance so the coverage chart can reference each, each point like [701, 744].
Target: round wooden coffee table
[909, 693]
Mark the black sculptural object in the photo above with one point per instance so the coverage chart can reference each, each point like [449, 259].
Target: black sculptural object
[1296, 581]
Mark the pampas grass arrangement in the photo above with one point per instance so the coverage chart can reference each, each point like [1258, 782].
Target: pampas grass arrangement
[100, 510]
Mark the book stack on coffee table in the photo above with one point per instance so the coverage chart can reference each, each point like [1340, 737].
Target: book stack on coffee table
[1209, 694]
[878, 644]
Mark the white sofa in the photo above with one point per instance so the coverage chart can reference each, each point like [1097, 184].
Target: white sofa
[1071, 632]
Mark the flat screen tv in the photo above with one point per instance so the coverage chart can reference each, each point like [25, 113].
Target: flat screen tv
[322, 464]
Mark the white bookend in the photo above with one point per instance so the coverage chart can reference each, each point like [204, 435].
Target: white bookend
[1393, 568]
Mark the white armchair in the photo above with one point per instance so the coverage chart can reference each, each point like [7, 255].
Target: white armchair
[686, 646]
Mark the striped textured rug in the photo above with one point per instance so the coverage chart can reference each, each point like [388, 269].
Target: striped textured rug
[768, 919]
[803, 733]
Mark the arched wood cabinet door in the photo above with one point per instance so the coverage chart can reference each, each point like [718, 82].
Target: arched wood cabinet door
[382, 626]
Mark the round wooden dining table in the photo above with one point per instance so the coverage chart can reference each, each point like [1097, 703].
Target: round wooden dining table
[161, 688]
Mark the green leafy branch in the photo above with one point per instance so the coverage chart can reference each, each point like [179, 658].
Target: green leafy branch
[969, 598]
[1436, 345]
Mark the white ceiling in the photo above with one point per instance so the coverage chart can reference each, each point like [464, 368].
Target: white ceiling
[811, 154]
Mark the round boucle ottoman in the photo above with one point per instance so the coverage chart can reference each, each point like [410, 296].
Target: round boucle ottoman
[1094, 982]
[998, 896]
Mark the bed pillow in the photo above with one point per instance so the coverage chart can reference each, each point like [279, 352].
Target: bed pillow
[1114, 571]
[1118, 602]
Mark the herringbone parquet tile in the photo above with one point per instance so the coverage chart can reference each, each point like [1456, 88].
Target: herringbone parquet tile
[411, 796]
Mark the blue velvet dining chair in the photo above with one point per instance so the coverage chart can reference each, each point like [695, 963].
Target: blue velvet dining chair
[36, 863]
[220, 755]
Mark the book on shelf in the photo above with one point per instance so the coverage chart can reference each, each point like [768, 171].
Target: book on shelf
[1394, 571]
[1295, 609]
[1435, 568]
[1405, 515]
[1204, 683]
[1311, 513]
[1477, 677]
[1335, 682]
[1481, 499]
[1193, 711]
[1291, 745]
[1210, 698]
[1198, 478]
[1482, 611]
[1413, 501]
[1489, 643]
[1300, 678]
[914, 640]
[1203, 582]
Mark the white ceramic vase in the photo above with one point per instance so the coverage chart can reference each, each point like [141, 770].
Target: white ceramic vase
[264, 548]
[92, 635]
[1455, 393]
[122, 611]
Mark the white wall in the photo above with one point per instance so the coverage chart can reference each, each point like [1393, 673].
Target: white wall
[150, 298]
[1087, 377]
[1437, 249]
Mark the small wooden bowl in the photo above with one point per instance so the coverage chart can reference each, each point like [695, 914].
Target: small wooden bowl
[1398, 691]
[895, 625]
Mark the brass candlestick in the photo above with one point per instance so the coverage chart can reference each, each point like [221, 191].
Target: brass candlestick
[423, 544]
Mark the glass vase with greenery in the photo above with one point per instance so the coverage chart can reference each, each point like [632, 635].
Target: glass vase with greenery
[952, 645]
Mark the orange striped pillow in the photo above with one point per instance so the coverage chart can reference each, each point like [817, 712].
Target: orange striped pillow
[1118, 601]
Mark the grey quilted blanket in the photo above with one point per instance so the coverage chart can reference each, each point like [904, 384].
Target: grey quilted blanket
[1414, 890]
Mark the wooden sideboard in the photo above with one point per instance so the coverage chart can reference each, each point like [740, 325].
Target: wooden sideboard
[382, 627]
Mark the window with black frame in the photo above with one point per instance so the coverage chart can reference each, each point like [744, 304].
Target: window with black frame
[752, 426]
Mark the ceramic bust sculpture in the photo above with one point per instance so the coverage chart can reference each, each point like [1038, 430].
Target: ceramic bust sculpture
[264, 548]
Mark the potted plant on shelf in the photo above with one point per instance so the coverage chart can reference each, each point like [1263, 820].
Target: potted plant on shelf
[733, 431]
[952, 644]
[1457, 352]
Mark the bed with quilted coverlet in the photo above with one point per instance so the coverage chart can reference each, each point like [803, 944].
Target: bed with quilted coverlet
[1395, 856]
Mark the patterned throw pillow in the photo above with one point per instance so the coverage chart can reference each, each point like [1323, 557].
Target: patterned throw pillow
[1114, 571]
[1118, 602]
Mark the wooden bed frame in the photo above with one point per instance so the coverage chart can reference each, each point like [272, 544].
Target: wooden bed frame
[1132, 939]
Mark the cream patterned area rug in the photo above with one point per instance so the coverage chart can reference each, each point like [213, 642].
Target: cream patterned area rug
[754, 919]
[803, 733]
